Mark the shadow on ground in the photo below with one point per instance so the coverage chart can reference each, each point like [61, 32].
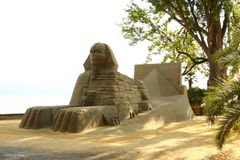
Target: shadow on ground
[188, 140]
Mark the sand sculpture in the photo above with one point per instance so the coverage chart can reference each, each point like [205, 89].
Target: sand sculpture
[168, 95]
[101, 96]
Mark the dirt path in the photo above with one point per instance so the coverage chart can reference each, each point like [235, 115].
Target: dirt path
[189, 140]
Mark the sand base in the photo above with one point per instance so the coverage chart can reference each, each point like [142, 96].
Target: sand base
[189, 140]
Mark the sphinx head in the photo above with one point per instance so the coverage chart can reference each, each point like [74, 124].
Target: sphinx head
[98, 55]
[101, 57]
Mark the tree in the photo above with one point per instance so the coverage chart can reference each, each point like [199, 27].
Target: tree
[190, 78]
[225, 98]
[201, 29]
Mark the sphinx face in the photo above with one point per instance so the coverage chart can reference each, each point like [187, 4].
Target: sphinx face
[98, 55]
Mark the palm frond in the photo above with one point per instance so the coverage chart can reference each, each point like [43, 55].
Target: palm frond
[229, 57]
[231, 116]
[218, 97]
[224, 99]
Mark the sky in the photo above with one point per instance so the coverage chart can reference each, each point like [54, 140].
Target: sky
[44, 43]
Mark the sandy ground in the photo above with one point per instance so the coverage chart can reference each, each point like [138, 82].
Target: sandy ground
[189, 140]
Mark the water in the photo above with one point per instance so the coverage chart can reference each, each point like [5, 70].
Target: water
[19, 103]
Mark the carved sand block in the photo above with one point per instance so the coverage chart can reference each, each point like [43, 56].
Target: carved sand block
[168, 95]
[39, 117]
[77, 119]
[101, 96]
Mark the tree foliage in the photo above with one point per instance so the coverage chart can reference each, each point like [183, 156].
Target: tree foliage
[189, 31]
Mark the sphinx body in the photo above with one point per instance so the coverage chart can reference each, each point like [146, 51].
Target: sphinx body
[101, 96]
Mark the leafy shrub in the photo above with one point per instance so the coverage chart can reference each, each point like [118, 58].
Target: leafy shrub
[195, 96]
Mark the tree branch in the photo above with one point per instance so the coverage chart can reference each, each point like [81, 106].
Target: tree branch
[225, 23]
[186, 71]
[196, 23]
[185, 24]
[194, 60]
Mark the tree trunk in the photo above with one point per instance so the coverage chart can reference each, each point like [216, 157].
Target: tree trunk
[190, 82]
[215, 71]
[215, 44]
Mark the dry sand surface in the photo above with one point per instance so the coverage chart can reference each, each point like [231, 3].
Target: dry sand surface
[189, 140]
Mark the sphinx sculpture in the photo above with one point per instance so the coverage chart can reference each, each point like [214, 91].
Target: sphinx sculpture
[101, 96]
